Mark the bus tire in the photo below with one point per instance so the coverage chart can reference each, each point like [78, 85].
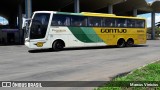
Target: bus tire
[58, 45]
[130, 42]
[121, 43]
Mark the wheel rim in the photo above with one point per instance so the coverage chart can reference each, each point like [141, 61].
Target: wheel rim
[130, 43]
[59, 45]
[121, 43]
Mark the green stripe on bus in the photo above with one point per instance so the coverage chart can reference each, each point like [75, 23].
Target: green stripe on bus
[79, 34]
[91, 34]
[85, 34]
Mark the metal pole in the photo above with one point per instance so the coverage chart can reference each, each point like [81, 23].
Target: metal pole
[135, 12]
[153, 25]
[110, 9]
[20, 23]
[28, 8]
[76, 6]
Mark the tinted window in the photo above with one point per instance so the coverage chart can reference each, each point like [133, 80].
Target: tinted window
[39, 25]
[60, 20]
[140, 23]
[131, 23]
[78, 21]
[73, 20]
[121, 22]
[108, 22]
[94, 21]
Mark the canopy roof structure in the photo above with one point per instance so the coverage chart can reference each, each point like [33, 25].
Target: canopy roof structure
[155, 6]
[10, 9]
[127, 7]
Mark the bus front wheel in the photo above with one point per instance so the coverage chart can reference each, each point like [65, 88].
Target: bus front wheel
[58, 45]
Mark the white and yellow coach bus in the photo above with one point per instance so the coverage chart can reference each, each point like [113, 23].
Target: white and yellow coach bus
[56, 30]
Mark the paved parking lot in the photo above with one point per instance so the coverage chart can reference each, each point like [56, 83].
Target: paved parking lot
[81, 64]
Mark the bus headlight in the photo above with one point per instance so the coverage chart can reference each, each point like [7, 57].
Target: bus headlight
[39, 44]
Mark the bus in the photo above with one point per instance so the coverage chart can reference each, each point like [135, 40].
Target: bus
[58, 30]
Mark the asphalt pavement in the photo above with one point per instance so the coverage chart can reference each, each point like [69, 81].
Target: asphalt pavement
[73, 64]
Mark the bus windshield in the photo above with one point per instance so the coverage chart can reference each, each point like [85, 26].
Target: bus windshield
[39, 25]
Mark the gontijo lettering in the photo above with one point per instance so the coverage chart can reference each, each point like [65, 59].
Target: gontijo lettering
[113, 30]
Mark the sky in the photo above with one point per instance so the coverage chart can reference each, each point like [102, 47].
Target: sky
[147, 16]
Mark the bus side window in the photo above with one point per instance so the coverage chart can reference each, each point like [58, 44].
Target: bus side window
[131, 23]
[103, 22]
[54, 23]
[121, 23]
[78, 21]
[67, 21]
[109, 22]
[94, 21]
[60, 20]
[84, 22]
[55, 20]
[140, 24]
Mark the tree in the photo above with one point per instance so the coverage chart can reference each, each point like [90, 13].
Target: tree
[158, 24]
[157, 31]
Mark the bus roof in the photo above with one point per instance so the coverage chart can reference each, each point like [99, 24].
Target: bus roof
[90, 14]
[97, 14]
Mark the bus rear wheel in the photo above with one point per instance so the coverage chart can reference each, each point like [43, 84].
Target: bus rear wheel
[121, 43]
[58, 45]
[129, 43]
